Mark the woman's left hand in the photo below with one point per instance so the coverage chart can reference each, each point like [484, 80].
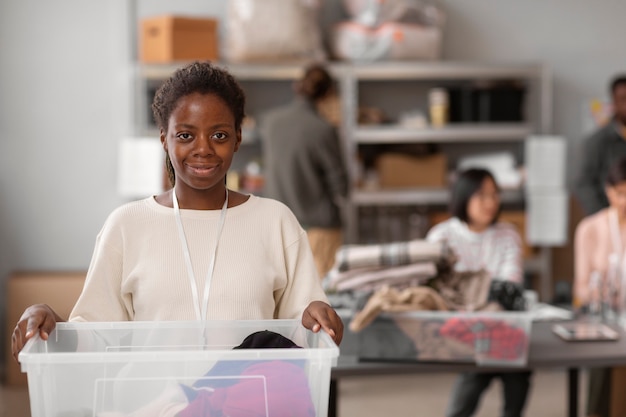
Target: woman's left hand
[319, 315]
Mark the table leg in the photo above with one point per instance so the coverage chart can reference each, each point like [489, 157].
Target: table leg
[332, 398]
[572, 379]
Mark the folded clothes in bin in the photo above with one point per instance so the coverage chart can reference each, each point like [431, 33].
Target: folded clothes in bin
[279, 388]
[242, 388]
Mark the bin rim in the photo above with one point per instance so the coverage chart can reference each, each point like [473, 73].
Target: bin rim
[30, 355]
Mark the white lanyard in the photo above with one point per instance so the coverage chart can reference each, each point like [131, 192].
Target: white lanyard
[200, 314]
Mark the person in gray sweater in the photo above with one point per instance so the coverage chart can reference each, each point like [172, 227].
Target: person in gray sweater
[303, 164]
[600, 150]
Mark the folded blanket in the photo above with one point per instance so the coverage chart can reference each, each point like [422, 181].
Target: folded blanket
[350, 257]
[371, 279]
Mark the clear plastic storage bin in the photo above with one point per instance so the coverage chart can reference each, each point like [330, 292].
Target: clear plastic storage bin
[486, 338]
[177, 369]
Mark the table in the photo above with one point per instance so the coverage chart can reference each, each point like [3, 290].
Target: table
[546, 351]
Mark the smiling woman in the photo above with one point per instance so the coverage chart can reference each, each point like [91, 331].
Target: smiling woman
[178, 255]
[200, 140]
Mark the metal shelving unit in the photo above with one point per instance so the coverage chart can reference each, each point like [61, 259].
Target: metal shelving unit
[496, 132]
[349, 78]
[353, 77]
[417, 196]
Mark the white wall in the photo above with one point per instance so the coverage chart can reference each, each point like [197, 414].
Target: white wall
[65, 100]
[581, 41]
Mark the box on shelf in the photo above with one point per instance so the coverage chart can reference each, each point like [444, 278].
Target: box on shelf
[486, 338]
[397, 170]
[175, 38]
[546, 162]
[119, 368]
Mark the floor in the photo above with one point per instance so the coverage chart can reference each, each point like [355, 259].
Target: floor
[397, 396]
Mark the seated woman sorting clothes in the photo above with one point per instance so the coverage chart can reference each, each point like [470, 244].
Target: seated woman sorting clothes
[482, 243]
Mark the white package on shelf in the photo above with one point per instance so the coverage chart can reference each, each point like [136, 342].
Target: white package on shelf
[547, 214]
[500, 164]
[546, 158]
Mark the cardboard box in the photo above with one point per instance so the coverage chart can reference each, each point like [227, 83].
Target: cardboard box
[59, 290]
[397, 170]
[173, 38]
[515, 217]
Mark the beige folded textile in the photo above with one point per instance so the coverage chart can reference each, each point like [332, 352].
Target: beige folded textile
[389, 299]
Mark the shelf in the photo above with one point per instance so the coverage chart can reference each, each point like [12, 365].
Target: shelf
[418, 196]
[493, 132]
[383, 71]
[264, 72]
[443, 70]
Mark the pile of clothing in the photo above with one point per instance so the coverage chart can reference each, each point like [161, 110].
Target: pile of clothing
[400, 265]
[417, 276]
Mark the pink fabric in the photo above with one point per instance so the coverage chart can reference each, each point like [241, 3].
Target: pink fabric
[283, 391]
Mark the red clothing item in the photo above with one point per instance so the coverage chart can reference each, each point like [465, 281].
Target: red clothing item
[493, 338]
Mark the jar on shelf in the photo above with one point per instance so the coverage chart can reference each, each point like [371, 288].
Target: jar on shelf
[438, 107]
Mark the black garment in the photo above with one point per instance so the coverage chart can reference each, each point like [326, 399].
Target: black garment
[599, 392]
[508, 294]
[470, 387]
[266, 339]
[263, 339]
[600, 150]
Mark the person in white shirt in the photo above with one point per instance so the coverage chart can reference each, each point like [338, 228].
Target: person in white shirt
[198, 250]
[482, 243]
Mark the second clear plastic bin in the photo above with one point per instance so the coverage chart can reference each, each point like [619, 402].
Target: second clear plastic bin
[486, 338]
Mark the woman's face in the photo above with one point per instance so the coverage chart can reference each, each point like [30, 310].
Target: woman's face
[616, 195]
[483, 205]
[201, 140]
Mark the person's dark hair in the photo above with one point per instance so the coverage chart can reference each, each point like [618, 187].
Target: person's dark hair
[198, 77]
[617, 172]
[315, 83]
[617, 81]
[465, 186]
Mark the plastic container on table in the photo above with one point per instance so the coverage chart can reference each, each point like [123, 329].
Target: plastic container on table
[499, 339]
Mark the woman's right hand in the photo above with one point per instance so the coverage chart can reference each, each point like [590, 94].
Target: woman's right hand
[37, 319]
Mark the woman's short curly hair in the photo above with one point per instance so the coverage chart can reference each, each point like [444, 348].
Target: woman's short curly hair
[203, 78]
